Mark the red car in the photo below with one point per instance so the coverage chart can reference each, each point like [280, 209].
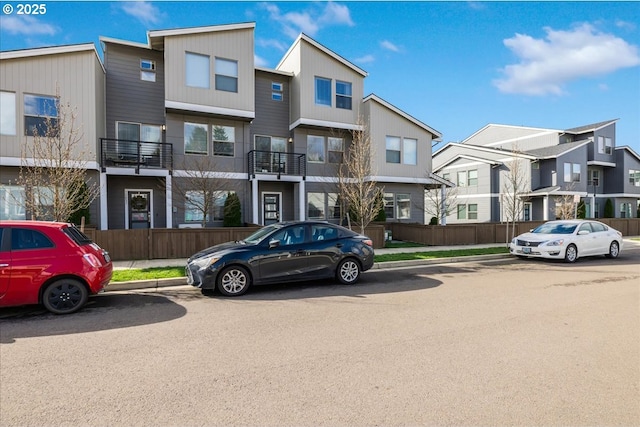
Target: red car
[50, 263]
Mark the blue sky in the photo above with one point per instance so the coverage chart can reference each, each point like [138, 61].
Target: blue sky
[456, 66]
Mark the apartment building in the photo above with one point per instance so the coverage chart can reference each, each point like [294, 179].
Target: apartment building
[583, 163]
[191, 106]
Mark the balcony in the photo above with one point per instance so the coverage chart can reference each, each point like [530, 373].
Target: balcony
[124, 153]
[276, 163]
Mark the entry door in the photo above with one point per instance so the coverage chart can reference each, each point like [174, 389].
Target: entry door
[139, 209]
[270, 208]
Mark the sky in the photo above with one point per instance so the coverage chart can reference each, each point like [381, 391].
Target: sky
[456, 66]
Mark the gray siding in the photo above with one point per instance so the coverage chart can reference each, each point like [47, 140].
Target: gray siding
[272, 117]
[129, 98]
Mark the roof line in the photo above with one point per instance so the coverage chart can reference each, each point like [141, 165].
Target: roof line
[407, 116]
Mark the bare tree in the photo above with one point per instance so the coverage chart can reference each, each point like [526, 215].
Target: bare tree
[202, 187]
[53, 166]
[516, 184]
[566, 204]
[440, 202]
[358, 192]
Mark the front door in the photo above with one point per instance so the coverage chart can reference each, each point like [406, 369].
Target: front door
[270, 208]
[139, 209]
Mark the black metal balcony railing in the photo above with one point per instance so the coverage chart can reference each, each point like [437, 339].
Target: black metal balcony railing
[274, 162]
[135, 154]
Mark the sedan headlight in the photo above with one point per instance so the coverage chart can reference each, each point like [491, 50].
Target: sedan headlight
[205, 262]
[558, 242]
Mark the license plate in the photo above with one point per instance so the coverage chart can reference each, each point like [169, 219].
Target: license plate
[526, 250]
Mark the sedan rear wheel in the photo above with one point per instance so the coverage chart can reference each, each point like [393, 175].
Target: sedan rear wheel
[233, 281]
[65, 296]
[614, 250]
[572, 253]
[348, 271]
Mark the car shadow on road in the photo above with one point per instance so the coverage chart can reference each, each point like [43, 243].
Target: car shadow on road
[103, 312]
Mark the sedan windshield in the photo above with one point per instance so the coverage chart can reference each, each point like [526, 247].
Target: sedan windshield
[259, 235]
[555, 228]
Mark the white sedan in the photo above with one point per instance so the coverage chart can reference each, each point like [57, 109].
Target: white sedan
[568, 240]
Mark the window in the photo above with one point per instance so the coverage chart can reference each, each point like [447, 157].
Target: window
[594, 178]
[147, 70]
[270, 156]
[219, 199]
[572, 172]
[24, 238]
[323, 232]
[197, 70]
[323, 91]
[195, 138]
[315, 149]
[315, 206]
[7, 113]
[410, 151]
[472, 178]
[601, 144]
[446, 176]
[44, 199]
[462, 211]
[139, 132]
[393, 149]
[343, 95]
[389, 205]
[472, 211]
[462, 179]
[193, 206]
[290, 235]
[226, 75]
[276, 91]
[336, 150]
[12, 202]
[634, 177]
[224, 138]
[403, 204]
[625, 210]
[40, 112]
[526, 212]
[608, 145]
[333, 206]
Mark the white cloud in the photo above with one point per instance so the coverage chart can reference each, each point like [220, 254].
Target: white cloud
[143, 11]
[259, 61]
[386, 44]
[367, 59]
[311, 21]
[26, 25]
[271, 43]
[547, 65]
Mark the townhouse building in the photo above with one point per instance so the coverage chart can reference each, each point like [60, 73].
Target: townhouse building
[582, 163]
[190, 106]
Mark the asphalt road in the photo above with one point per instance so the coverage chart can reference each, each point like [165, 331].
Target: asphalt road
[505, 342]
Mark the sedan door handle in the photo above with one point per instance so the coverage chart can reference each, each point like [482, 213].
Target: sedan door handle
[4, 265]
[339, 245]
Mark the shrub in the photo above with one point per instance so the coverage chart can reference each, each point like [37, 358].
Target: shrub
[232, 211]
[433, 221]
[608, 209]
[582, 210]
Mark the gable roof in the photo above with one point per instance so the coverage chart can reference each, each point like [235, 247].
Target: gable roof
[305, 38]
[556, 150]
[591, 127]
[467, 157]
[156, 37]
[51, 50]
[373, 97]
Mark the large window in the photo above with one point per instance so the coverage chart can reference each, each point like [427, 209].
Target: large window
[605, 145]
[139, 132]
[335, 150]
[315, 149]
[7, 113]
[462, 211]
[472, 211]
[12, 202]
[410, 153]
[224, 138]
[226, 75]
[194, 206]
[389, 205]
[197, 70]
[323, 206]
[462, 179]
[403, 205]
[195, 138]
[594, 178]
[343, 95]
[147, 70]
[393, 149]
[634, 177]
[40, 112]
[323, 91]
[572, 172]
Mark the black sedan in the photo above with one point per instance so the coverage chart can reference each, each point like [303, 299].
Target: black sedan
[279, 253]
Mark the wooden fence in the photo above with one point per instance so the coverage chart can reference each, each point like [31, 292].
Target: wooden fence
[167, 243]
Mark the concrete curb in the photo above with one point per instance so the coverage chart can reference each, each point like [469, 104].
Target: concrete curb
[181, 281]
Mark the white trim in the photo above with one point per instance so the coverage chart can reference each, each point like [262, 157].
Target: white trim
[104, 213]
[126, 205]
[123, 42]
[542, 130]
[272, 71]
[200, 30]
[483, 148]
[181, 173]
[17, 161]
[209, 109]
[323, 123]
[599, 163]
[168, 196]
[132, 171]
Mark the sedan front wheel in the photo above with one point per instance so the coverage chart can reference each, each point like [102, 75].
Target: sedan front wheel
[348, 271]
[233, 281]
[572, 253]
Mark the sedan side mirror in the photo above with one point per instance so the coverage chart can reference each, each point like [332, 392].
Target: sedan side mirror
[274, 244]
